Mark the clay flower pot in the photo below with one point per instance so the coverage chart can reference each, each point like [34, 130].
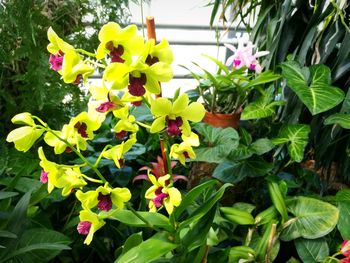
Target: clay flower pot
[222, 120]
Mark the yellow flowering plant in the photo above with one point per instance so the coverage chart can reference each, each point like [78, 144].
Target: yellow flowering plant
[132, 69]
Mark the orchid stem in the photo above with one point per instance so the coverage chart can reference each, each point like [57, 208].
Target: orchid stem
[100, 156]
[79, 154]
[149, 224]
[85, 52]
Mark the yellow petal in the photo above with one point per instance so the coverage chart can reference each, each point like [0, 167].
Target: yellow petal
[88, 199]
[161, 71]
[23, 118]
[194, 112]
[120, 196]
[174, 196]
[161, 107]
[158, 125]
[180, 103]
[193, 139]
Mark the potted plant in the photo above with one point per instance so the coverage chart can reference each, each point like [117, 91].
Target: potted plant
[227, 91]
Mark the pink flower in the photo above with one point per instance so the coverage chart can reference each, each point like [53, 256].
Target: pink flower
[345, 248]
[84, 227]
[345, 260]
[43, 177]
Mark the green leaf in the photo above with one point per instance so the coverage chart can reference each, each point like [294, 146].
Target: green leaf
[263, 243]
[265, 77]
[266, 216]
[241, 252]
[3, 156]
[19, 214]
[343, 200]
[190, 197]
[278, 200]
[7, 234]
[5, 195]
[132, 241]
[319, 96]
[312, 218]
[46, 243]
[204, 208]
[261, 146]
[296, 135]
[341, 119]
[147, 251]
[237, 216]
[129, 218]
[236, 171]
[198, 232]
[312, 250]
[217, 143]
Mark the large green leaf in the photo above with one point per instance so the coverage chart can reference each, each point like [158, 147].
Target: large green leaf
[236, 171]
[311, 219]
[312, 250]
[341, 119]
[217, 143]
[261, 108]
[147, 251]
[312, 86]
[265, 77]
[343, 200]
[40, 245]
[296, 135]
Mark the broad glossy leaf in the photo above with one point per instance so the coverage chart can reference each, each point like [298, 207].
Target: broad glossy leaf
[261, 146]
[312, 250]
[319, 95]
[217, 143]
[237, 216]
[235, 171]
[132, 241]
[265, 77]
[296, 135]
[343, 200]
[147, 251]
[311, 219]
[341, 119]
[129, 218]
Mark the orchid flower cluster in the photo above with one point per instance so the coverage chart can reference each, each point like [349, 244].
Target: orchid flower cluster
[132, 71]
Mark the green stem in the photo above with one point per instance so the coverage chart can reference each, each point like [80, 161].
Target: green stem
[79, 154]
[100, 156]
[149, 224]
[146, 102]
[85, 52]
[95, 63]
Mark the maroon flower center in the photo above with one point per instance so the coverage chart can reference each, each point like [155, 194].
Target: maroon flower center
[136, 103]
[115, 52]
[160, 196]
[237, 62]
[121, 162]
[173, 128]
[56, 61]
[121, 135]
[106, 106]
[252, 66]
[78, 79]
[81, 128]
[44, 177]
[68, 150]
[136, 85]
[84, 227]
[104, 202]
[186, 154]
[151, 60]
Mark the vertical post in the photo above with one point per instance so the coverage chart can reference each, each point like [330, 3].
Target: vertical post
[151, 34]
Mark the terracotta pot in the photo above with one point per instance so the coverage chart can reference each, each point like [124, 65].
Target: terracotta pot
[222, 120]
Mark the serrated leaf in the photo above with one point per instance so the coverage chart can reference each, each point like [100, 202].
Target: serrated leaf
[296, 135]
[312, 218]
[318, 96]
[341, 119]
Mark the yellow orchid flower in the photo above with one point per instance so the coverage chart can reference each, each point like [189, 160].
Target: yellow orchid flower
[104, 197]
[65, 178]
[161, 193]
[119, 43]
[175, 116]
[89, 224]
[158, 52]
[24, 137]
[116, 152]
[58, 48]
[74, 69]
[127, 123]
[86, 124]
[138, 76]
[184, 150]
